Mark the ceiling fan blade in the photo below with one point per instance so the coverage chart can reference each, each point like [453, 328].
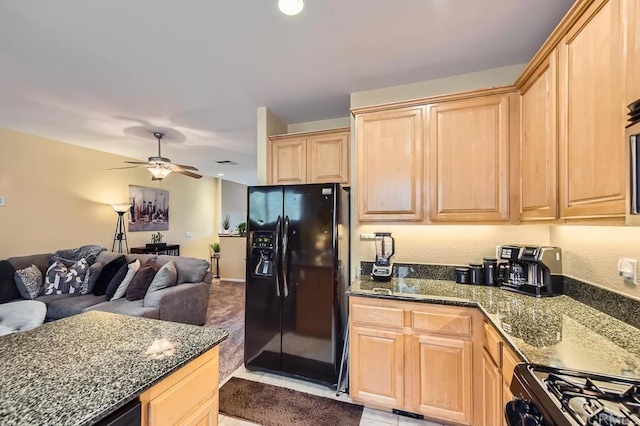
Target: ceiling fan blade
[129, 167]
[186, 173]
[137, 162]
[182, 166]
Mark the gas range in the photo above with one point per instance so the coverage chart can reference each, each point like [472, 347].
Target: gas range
[551, 396]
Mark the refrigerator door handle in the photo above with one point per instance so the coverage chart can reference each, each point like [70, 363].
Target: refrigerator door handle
[276, 254]
[285, 256]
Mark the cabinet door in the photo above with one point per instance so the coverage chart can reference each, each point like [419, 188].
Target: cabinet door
[389, 165]
[469, 160]
[539, 144]
[506, 397]
[376, 366]
[491, 392]
[328, 158]
[288, 162]
[632, 15]
[443, 383]
[592, 114]
[204, 415]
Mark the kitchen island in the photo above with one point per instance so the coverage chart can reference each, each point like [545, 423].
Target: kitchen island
[81, 369]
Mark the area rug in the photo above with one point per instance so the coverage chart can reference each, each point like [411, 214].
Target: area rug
[277, 406]
[226, 311]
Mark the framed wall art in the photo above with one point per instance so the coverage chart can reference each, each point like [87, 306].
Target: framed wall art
[149, 209]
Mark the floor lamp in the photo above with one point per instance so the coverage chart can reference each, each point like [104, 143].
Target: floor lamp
[120, 234]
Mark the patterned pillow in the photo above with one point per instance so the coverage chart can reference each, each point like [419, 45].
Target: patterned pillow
[93, 272]
[29, 282]
[63, 280]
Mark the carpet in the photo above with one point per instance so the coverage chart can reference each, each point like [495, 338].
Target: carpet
[277, 406]
[226, 311]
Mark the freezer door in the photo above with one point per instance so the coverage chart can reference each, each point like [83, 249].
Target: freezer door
[309, 294]
[262, 345]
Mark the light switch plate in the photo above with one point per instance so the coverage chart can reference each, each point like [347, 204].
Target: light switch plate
[3, 201]
[187, 234]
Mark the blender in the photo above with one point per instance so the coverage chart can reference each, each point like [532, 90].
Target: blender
[385, 248]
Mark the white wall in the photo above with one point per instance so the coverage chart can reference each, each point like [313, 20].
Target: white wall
[234, 202]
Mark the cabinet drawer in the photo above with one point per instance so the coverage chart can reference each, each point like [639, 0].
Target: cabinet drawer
[437, 322]
[509, 361]
[492, 342]
[378, 315]
[183, 397]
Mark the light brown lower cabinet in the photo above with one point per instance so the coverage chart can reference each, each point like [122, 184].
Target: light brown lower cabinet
[187, 397]
[491, 391]
[416, 357]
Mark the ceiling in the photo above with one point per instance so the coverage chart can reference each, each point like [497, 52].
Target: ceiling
[105, 74]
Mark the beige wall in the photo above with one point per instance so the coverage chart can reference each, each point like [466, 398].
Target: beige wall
[314, 126]
[591, 253]
[233, 252]
[234, 202]
[268, 124]
[59, 195]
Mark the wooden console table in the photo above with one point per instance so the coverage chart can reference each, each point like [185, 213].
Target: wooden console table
[170, 249]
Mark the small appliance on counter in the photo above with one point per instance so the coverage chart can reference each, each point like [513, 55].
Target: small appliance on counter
[385, 248]
[535, 270]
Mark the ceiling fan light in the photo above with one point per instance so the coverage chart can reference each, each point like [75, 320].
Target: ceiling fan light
[159, 172]
[290, 7]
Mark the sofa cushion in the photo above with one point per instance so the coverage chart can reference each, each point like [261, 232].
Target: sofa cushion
[190, 270]
[29, 282]
[166, 276]
[132, 269]
[72, 305]
[125, 307]
[90, 278]
[8, 289]
[106, 275]
[61, 279]
[21, 315]
[116, 281]
[141, 281]
[47, 299]
[40, 260]
[71, 256]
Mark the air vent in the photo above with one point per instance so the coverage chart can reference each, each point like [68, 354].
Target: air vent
[227, 162]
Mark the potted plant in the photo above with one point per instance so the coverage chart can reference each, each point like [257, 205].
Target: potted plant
[241, 229]
[226, 224]
[156, 240]
[216, 249]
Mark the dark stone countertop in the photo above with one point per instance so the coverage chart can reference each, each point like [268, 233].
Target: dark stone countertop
[555, 331]
[78, 370]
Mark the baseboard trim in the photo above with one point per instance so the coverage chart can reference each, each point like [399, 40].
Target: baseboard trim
[233, 280]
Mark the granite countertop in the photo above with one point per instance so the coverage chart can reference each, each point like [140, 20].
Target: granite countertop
[78, 370]
[555, 331]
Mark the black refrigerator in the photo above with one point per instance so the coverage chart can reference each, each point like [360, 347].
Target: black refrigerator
[297, 274]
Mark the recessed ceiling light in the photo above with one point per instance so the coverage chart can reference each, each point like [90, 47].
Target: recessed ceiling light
[220, 174]
[290, 7]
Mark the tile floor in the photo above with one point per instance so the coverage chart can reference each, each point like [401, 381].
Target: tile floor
[370, 417]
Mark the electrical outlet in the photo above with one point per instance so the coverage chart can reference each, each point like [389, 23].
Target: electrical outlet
[367, 236]
[627, 268]
[3, 201]
[187, 234]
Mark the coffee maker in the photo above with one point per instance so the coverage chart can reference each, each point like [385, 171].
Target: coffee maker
[385, 248]
[535, 270]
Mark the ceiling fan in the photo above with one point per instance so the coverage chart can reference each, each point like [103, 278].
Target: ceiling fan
[160, 166]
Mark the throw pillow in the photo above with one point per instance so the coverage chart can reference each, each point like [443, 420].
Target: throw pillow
[106, 275]
[62, 280]
[166, 276]
[29, 282]
[142, 280]
[93, 272]
[116, 281]
[8, 289]
[133, 267]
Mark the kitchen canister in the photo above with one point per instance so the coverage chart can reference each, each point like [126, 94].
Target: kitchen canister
[490, 270]
[462, 275]
[476, 273]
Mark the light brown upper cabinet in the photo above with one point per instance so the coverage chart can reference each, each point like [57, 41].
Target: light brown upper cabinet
[592, 114]
[539, 143]
[389, 152]
[469, 160]
[314, 157]
[632, 14]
